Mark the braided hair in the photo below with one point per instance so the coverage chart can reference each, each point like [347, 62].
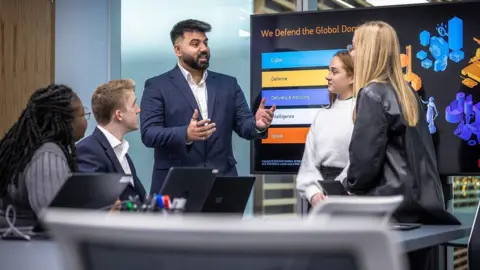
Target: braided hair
[48, 117]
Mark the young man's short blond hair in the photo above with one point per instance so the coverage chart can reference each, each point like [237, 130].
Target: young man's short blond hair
[109, 97]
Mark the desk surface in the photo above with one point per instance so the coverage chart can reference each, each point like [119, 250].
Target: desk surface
[41, 254]
[428, 236]
[38, 254]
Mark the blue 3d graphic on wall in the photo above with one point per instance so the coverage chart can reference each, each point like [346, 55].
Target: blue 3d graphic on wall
[467, 115]
[440, 49]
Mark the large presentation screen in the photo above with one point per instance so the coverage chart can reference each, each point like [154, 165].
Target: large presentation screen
[440, 53]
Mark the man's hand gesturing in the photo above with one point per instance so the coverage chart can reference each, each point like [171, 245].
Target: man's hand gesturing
[199, 130]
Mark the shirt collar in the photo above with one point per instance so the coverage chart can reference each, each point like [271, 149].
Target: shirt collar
[188, 76]
[112, 140]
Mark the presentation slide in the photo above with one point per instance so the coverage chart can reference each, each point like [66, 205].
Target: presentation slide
[440, 54]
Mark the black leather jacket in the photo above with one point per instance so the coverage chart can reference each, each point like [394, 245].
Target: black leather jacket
[389, 158]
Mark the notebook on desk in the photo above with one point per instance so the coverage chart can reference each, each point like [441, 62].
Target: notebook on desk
[332, 187]
[405, 226]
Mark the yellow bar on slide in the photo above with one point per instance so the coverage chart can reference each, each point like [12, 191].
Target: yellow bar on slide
[294, 78]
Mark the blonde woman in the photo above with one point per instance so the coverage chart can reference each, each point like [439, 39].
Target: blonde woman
[391, 151]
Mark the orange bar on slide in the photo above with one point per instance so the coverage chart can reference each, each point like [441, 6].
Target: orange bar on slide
[286, 135]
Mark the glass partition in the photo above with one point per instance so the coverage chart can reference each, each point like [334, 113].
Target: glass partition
[147, 51]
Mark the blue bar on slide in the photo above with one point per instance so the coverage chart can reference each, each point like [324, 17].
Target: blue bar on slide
[296, 97]
[300, 59]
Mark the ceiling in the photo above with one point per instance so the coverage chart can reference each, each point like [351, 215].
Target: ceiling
[276, 6]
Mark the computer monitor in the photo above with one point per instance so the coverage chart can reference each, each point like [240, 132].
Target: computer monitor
[191, 183]
[124, 241]
[229, 195]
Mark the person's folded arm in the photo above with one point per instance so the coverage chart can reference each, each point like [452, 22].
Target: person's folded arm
[44, 176]
[152, 122]
[308, 174]
[368, 144]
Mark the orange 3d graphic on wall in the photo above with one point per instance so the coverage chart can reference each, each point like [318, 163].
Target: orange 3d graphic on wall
[472, 71]
[406, 60]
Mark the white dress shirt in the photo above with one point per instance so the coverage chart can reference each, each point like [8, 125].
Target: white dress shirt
[120, 148]
[199, 90]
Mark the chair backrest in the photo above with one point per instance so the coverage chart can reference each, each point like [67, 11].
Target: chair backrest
[379, 209]
[120, 241]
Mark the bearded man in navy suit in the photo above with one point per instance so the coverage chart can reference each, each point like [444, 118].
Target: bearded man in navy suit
[189, 114]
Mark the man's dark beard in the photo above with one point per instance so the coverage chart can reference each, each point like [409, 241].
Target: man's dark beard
[195, 62]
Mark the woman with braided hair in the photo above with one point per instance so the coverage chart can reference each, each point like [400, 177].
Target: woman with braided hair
[38, 153]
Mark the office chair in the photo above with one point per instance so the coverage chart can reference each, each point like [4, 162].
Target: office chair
[93, 240]
[379, 209]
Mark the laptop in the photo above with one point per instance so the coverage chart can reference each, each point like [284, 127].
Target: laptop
[91, 190]
[191, 183]
[94, 191]
[229, 195]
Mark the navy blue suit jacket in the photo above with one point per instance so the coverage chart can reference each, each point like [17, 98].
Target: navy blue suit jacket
[95, 154]
[167, 108]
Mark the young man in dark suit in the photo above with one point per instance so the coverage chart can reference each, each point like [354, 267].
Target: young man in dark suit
[115, 108]
[189, 114]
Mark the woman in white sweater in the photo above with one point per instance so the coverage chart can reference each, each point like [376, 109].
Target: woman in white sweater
[326, 148]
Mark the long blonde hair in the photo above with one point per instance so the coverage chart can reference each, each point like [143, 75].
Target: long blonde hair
[377, 59]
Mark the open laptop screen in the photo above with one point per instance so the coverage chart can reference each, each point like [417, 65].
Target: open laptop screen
[121, 257]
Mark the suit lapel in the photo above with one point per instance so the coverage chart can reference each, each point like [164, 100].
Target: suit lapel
[138, 185]
[181, 83]
[108, 149]
[211, 92]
